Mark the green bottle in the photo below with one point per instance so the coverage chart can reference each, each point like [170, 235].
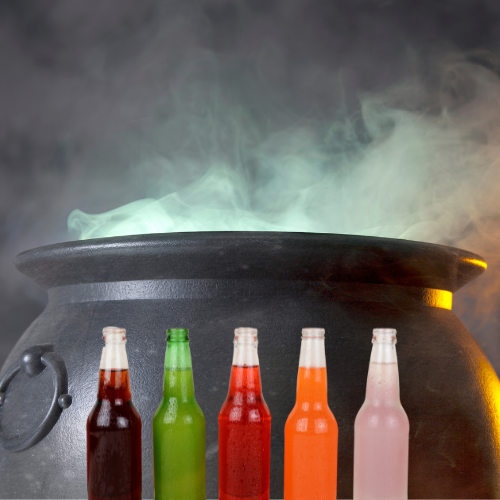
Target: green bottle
[179, 428]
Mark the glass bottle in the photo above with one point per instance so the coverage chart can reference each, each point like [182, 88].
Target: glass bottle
[381, 429]
[311, 431]
[114, 428]
[244, 426]
[179, 428]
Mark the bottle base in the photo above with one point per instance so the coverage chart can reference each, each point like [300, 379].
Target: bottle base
[262, 496]
[134, 495]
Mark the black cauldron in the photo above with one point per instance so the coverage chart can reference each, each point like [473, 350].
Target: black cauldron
[278, 283]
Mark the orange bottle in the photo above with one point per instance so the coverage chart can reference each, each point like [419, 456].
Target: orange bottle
[311, 431]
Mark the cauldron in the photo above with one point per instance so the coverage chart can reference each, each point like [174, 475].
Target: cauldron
[278, 283]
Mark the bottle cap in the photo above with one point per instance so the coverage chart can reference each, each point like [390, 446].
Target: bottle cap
[245, 334]
[114, 334]
[384, 335]
[245, 331]
[177, 334]
[313, 333]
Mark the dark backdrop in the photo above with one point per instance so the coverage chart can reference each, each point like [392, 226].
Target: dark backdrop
[78, 77]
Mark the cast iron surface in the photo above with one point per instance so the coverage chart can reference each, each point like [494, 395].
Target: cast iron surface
[278, 283]
[254, 255]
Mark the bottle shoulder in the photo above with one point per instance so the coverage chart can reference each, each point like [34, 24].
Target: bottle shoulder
[246, 401]
[172, 409]
[113, 405]
[385, 415]
[105, 415]
[311, 423]
[380, 405]
[310, 411]
[179, 401]
[237, 412]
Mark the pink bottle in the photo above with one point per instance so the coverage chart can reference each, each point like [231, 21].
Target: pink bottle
[381, 429]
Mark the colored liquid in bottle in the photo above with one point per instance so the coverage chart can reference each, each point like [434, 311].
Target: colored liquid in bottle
[179, 440]
[381, 439]
[311, 436]
[114, 441]
[244, 438]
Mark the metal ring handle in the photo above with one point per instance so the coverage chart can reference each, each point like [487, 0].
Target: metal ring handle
[32, 362]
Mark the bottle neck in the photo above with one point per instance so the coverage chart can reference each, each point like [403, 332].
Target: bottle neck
[245, 373]
[384, 353]
[312, 379]
[383, 377]
[245, 353]
[245, 379]
[114, 386]
[114, 356]
[178, 381]
[312, 352]
[114, 380]
[178, 355]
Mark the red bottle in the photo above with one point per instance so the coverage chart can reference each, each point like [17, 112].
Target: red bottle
[244, 427]
[114, 428]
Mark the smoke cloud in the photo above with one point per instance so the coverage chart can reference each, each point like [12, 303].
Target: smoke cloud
[415, 162]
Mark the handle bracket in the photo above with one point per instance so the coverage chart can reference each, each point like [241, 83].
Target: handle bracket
[32, 362]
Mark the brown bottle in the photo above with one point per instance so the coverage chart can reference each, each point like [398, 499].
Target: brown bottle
[114, 428]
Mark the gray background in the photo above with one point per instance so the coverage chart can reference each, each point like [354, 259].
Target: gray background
[83, 86]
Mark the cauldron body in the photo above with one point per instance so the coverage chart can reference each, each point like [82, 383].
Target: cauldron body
[279, 283]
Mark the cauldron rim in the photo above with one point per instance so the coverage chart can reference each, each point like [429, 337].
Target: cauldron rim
[252, 255]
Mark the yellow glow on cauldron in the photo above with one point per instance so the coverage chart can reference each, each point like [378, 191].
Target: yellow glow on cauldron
[438, 298]
[476, 262]
[490, 386]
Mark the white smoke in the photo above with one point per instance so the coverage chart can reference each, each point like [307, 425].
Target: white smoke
[429, 173]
